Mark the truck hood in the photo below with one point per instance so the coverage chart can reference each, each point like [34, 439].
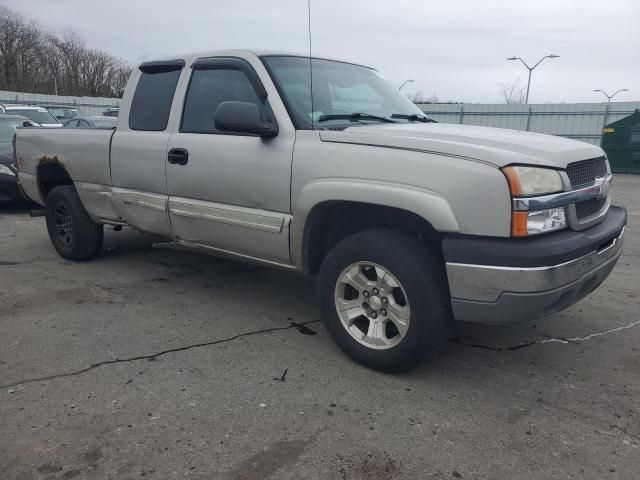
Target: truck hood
[496, 146]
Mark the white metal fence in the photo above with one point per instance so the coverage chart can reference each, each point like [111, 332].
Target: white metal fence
[582, 121]
[88, 105]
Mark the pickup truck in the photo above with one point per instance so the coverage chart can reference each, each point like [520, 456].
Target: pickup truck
[408, 223]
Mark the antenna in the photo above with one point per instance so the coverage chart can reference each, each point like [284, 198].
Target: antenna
[310, 64]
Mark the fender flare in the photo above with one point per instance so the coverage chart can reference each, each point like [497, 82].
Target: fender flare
[54, 161]
[427, 204]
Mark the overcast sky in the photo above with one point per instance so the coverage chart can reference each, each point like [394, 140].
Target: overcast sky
[455, 49]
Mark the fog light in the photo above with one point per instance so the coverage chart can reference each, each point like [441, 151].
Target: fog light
[541, 221]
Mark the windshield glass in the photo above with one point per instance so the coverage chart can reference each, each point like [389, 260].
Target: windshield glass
[40, 116]
[338, 89]
[64, 112]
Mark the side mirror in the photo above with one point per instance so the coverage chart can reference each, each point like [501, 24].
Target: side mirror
[243, 117]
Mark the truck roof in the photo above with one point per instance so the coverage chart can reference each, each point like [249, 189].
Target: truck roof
[247, 52]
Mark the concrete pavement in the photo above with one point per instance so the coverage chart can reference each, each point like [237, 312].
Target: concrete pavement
[164, 364]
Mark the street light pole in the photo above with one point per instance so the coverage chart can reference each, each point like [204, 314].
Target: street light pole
[609, 97]
[531, 70]
[404, 83]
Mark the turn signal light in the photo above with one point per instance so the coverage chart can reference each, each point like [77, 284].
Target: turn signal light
[519, 224]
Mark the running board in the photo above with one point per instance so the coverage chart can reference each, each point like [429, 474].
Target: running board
[182, 245]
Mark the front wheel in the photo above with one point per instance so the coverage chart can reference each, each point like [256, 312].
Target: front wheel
[72, 232]
[384, 299]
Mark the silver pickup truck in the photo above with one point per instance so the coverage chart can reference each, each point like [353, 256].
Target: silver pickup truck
[408, 223]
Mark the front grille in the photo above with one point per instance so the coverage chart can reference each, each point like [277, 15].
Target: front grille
[589, 208]
[583, 174]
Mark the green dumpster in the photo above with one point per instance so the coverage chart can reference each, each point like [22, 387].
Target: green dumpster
[621, 141]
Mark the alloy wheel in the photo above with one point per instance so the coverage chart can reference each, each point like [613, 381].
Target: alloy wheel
[372, 305]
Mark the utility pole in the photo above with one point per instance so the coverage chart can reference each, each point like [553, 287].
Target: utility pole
[404, 83]
[531, 70]
[609, 97]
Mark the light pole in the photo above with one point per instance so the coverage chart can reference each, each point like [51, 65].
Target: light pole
[531, 70]
[609, 97]
[404, 83]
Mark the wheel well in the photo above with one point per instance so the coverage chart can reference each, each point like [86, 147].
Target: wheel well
[330, 222]
[51, 175]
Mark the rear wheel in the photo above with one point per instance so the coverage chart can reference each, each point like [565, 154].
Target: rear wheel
[72, 232]
[384, 299]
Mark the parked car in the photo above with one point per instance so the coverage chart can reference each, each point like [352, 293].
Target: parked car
[111, 112]
[40, 116]
[408, 224]
[63, 113]
[8, 172]
[91, 122]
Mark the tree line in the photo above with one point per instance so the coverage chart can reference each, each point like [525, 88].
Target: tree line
[37, 61]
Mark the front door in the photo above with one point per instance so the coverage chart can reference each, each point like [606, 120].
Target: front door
[227, 190]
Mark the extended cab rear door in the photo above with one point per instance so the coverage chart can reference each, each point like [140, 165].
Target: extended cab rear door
[139, 147]
[228, 190]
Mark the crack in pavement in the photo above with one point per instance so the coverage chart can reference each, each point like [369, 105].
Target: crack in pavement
[302, 327]
[546, 340]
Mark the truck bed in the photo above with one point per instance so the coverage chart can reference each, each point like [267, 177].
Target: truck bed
[84, 153]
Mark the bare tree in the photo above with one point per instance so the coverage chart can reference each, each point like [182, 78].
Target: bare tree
[419, 97]
[18, 41]
[513, 92]
[32, 60]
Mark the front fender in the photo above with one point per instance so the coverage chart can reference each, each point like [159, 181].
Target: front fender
[428, 205]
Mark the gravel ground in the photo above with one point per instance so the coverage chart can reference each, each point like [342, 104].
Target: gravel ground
[164, 364]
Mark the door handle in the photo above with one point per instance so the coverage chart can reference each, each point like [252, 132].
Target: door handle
[178, 156]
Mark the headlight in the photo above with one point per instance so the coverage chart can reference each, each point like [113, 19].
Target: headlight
[529, 181]
[4, 170]
[540, 221]
[534, 181]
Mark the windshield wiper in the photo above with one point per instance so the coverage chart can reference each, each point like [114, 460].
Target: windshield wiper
[355, 116]
[414, 117]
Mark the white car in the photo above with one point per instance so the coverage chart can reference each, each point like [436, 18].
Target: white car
[39, 115]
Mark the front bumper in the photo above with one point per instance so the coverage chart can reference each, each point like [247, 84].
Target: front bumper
[502, 281]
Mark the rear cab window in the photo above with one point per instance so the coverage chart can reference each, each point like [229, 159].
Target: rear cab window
[151, 103]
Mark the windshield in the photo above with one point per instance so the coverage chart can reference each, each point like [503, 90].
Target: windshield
[338, 89]
[39, 116]
[63, 112]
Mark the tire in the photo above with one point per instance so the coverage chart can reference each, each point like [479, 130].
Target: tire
[374, 261]
[72, 232]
